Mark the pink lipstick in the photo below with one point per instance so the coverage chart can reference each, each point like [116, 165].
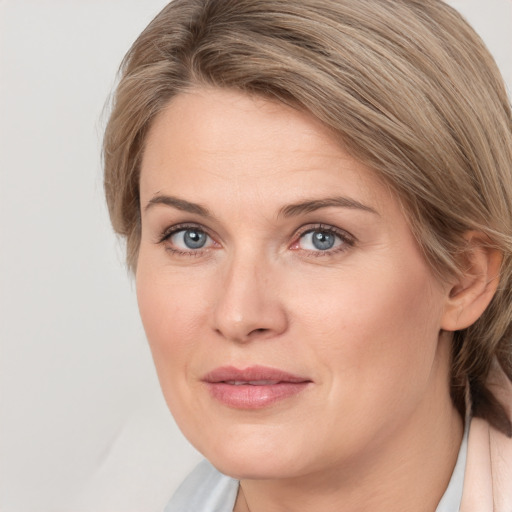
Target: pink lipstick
[255, 387]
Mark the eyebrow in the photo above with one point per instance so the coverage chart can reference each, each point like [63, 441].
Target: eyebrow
[179, 204]
[312, 205]
[290, 210]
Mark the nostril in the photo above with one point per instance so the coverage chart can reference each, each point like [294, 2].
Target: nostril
[258, 331]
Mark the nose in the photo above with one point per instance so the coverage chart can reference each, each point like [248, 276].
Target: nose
[249, 305]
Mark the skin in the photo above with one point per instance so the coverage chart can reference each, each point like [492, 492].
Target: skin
[375, 429]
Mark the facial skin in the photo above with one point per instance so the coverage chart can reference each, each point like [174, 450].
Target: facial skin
[360, 322]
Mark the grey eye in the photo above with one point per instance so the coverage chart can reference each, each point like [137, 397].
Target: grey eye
[194, 239]
[190, 239]
[320, 240]
[323, 241]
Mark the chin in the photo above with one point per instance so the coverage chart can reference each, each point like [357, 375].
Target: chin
[244, 454]
[241, 467]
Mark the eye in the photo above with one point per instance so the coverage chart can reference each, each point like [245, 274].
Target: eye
[189, 239]
[186, 239]
[323, 240]
[319, 240]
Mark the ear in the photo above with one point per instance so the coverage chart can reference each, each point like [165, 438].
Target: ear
[474, 289]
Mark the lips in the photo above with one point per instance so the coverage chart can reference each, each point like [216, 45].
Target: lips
[255, 387]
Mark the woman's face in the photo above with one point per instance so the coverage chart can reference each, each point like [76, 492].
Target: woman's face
[293, 321]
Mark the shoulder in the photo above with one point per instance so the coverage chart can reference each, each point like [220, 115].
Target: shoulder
[488, 470]
[501, 445]
[501, 448]
[488, 475]
[204, 490]
[501, 464]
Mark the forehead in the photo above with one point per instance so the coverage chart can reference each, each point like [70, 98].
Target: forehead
[218, 142]
[215, 120]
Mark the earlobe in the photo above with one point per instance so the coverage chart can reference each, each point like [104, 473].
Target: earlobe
[474, 289]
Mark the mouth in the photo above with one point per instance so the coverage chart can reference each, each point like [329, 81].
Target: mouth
[255, 387]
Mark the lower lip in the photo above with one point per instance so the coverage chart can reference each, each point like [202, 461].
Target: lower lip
[248, 396]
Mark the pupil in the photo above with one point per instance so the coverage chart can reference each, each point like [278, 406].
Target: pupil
[194, 239]
[323, 241]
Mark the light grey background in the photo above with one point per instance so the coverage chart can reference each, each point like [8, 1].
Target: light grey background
[83, 426]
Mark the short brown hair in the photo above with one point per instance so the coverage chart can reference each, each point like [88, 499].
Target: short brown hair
[407, 85]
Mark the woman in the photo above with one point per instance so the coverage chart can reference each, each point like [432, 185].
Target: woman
[316, 201]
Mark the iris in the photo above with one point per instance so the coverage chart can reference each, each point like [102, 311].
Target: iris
[194, 239]
[322, 240]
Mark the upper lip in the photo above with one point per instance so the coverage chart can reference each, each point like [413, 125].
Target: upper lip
[252, 374]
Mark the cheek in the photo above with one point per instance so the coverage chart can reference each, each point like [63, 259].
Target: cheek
[171, 309]
[172, 313]
[376, 331]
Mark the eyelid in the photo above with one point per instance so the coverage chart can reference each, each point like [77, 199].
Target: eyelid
[169, 232]
[182, 226]
[347, 238]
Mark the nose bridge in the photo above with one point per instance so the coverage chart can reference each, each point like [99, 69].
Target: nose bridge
[248, 301]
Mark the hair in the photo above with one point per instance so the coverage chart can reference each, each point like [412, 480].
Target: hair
[409, 88]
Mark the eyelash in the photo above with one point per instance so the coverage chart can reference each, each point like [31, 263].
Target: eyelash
[171, 231]
[347, 240]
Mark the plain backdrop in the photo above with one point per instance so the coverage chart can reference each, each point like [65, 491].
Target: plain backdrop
[83, 426]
